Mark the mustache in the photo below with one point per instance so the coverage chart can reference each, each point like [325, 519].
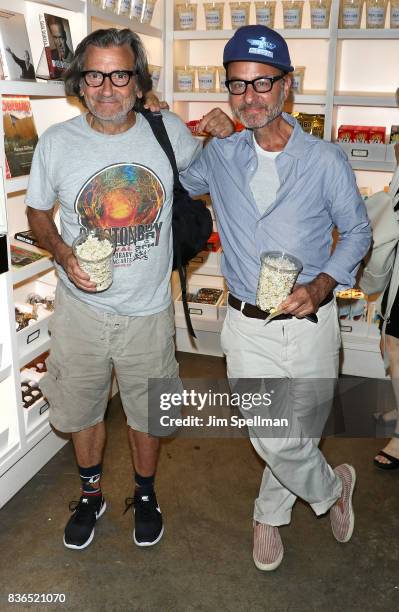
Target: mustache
[249, 106]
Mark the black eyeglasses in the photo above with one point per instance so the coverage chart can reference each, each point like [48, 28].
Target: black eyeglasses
[237, 87]
[119, 78]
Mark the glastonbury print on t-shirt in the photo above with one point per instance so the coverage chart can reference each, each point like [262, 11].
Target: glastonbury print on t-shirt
[126, 200]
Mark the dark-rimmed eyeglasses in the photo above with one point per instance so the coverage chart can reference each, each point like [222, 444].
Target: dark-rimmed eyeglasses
[119, 78]
[237, 87]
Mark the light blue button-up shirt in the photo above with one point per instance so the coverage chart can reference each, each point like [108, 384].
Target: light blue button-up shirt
[317, 192]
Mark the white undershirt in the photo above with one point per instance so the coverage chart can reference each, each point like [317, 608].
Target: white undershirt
[265, 182]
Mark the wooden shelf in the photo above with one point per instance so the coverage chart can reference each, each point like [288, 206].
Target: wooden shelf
[369, 33]
[45, 264]
[112, 18]
[70, 5]
[375, 99]
[35, 350]
[5, 372]
[219, 96]
[197, 96]
[226, 34]
[373, 166]
[20, 183]
[48, 89]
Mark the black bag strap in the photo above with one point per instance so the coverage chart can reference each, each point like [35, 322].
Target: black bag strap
[158, 127]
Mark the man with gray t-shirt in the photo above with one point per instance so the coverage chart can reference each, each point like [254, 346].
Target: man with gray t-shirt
[107, 170]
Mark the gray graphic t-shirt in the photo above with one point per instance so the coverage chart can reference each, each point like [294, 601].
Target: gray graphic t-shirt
[122, 183]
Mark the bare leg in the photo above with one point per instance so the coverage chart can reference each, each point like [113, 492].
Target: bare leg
[144, 451]
[392, 348]
[89, 445]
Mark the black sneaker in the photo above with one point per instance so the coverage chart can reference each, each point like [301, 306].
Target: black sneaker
[148, 529]
[79, 531]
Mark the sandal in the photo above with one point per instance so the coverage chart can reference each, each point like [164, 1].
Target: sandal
[393, 461]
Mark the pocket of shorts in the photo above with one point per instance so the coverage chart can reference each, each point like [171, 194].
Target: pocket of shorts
[50, 383]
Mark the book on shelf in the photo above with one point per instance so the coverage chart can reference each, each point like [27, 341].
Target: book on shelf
[57, 53]
[27, 236]
[20, 136]
[24, 257]
[15, 51]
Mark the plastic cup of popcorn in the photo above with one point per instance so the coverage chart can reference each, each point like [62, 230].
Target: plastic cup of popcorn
[94, 250]
[277, 276]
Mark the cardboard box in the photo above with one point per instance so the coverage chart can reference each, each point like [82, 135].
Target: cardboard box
[34, 332]
[207, 262]
[205, 311]
[364, 152]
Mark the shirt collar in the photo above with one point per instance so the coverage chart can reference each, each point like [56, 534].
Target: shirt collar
[297, 142]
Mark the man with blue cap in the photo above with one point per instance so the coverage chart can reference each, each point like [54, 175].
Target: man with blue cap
[276, 188]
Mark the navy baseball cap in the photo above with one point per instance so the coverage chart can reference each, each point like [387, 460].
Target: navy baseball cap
[257, 43]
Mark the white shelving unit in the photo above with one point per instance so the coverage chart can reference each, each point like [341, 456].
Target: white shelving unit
[27, 441]
[329, 88]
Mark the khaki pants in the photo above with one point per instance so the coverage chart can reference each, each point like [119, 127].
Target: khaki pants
[86, 345]
[295, 350]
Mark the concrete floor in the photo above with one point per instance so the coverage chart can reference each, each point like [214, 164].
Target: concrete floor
[204, 562]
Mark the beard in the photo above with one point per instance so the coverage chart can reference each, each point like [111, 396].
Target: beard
[265, 115]
[118, 117]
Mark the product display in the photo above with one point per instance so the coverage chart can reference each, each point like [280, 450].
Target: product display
[25, 316]
[239, 12]
[38, 364]
[23, 257]
[311, 123]
[186, 16]
[375, 13]
[222, 79]
[137, 9]
[148, 11]
[155, 73]
[265, 13]
[185, 78]
[213, 243]
[20, 135]
[320, 13]
[297, 79]
[16, 54]
[214, 12]
[292, 13]
[351, 13]
[394, 136]
[57, 54]
[124, 7]
[277, 276]
[361, 134]
[110, 5]
[394, 14]
[28, 237]
[29, 389]
[206, 78]
[205, 295]
[94, 252]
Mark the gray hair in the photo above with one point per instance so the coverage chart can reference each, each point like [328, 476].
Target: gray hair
[104, 39]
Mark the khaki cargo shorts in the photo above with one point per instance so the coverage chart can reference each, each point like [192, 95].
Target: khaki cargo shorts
[86, 344]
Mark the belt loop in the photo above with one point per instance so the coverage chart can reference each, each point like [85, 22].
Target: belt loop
[242, 306]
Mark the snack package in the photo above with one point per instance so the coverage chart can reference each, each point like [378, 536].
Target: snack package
[213, 243]
[377, 135]
[345, 133]
[394, 136]
[360, 133]
[311, 123]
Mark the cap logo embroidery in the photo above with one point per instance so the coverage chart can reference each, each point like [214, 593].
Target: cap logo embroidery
[261, 46]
